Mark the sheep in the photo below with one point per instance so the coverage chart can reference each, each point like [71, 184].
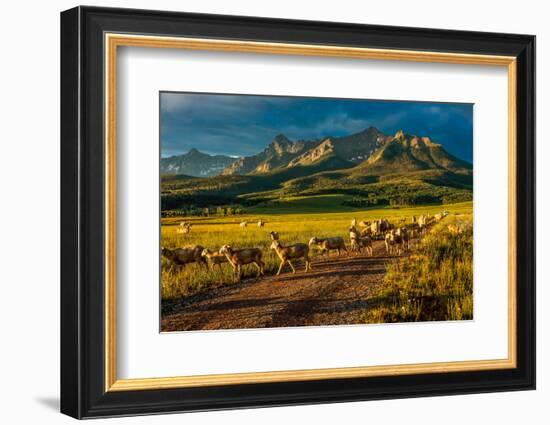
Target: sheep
[359, 242]
[374, 227]
[326, 244]
[365, 242]
[392, 242]
[239, 257]
[261, 223]
[287, 253]
[243, 224]
[184, 228]
[422, 223]
[353, 236]
[215, 258]
[378, 227]
[179, 257]
[366, 232]
[274, 236]
[364, 224]
[403, 233]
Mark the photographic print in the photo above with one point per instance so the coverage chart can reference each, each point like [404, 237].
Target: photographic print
[282, 211]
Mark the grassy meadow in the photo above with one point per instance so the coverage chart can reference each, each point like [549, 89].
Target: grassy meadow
[297, 219]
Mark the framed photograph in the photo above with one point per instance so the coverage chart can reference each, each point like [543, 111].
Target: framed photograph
[261, 212]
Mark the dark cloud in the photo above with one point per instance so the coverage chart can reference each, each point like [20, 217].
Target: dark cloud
[242, 125]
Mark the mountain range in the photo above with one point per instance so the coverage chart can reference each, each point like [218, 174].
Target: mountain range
[365, 164]
[282, 153]
[370, 147]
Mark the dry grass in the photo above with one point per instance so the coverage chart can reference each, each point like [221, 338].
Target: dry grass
[435, 283]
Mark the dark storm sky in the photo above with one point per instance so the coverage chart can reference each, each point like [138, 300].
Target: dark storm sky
[242, 125]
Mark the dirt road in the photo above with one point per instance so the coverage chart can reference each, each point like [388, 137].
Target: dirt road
[336, 291]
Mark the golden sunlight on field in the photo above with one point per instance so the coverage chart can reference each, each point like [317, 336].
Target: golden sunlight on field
[406, 285]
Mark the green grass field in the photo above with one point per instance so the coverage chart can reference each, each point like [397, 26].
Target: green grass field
[296, 219]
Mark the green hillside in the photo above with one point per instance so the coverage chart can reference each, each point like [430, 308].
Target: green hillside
[403, 170]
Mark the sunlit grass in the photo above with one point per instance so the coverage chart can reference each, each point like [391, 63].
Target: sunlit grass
[213, 232]
[436, 283]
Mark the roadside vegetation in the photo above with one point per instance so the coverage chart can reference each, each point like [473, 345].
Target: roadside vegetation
[435, 283]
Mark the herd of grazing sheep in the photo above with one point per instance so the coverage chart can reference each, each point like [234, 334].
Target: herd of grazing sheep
[361, 236]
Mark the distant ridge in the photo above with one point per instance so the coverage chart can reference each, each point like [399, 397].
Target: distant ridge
[195, 163]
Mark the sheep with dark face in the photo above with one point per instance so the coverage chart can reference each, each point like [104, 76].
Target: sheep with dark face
[274, 236]
[327, 244]
[239, 257]
[179, 257]
[291, 252]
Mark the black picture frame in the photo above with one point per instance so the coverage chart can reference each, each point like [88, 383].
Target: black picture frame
[83, 392]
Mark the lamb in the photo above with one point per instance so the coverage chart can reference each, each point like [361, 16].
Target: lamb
[287, 253]
[179, 257]
[261, 223]
[243, 224]
[215, 258]
[326, 244]
[239, 257]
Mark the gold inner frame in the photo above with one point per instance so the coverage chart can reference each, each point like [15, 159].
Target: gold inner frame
[113, 41]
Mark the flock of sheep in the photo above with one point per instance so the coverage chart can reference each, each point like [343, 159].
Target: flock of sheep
[396, 239]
